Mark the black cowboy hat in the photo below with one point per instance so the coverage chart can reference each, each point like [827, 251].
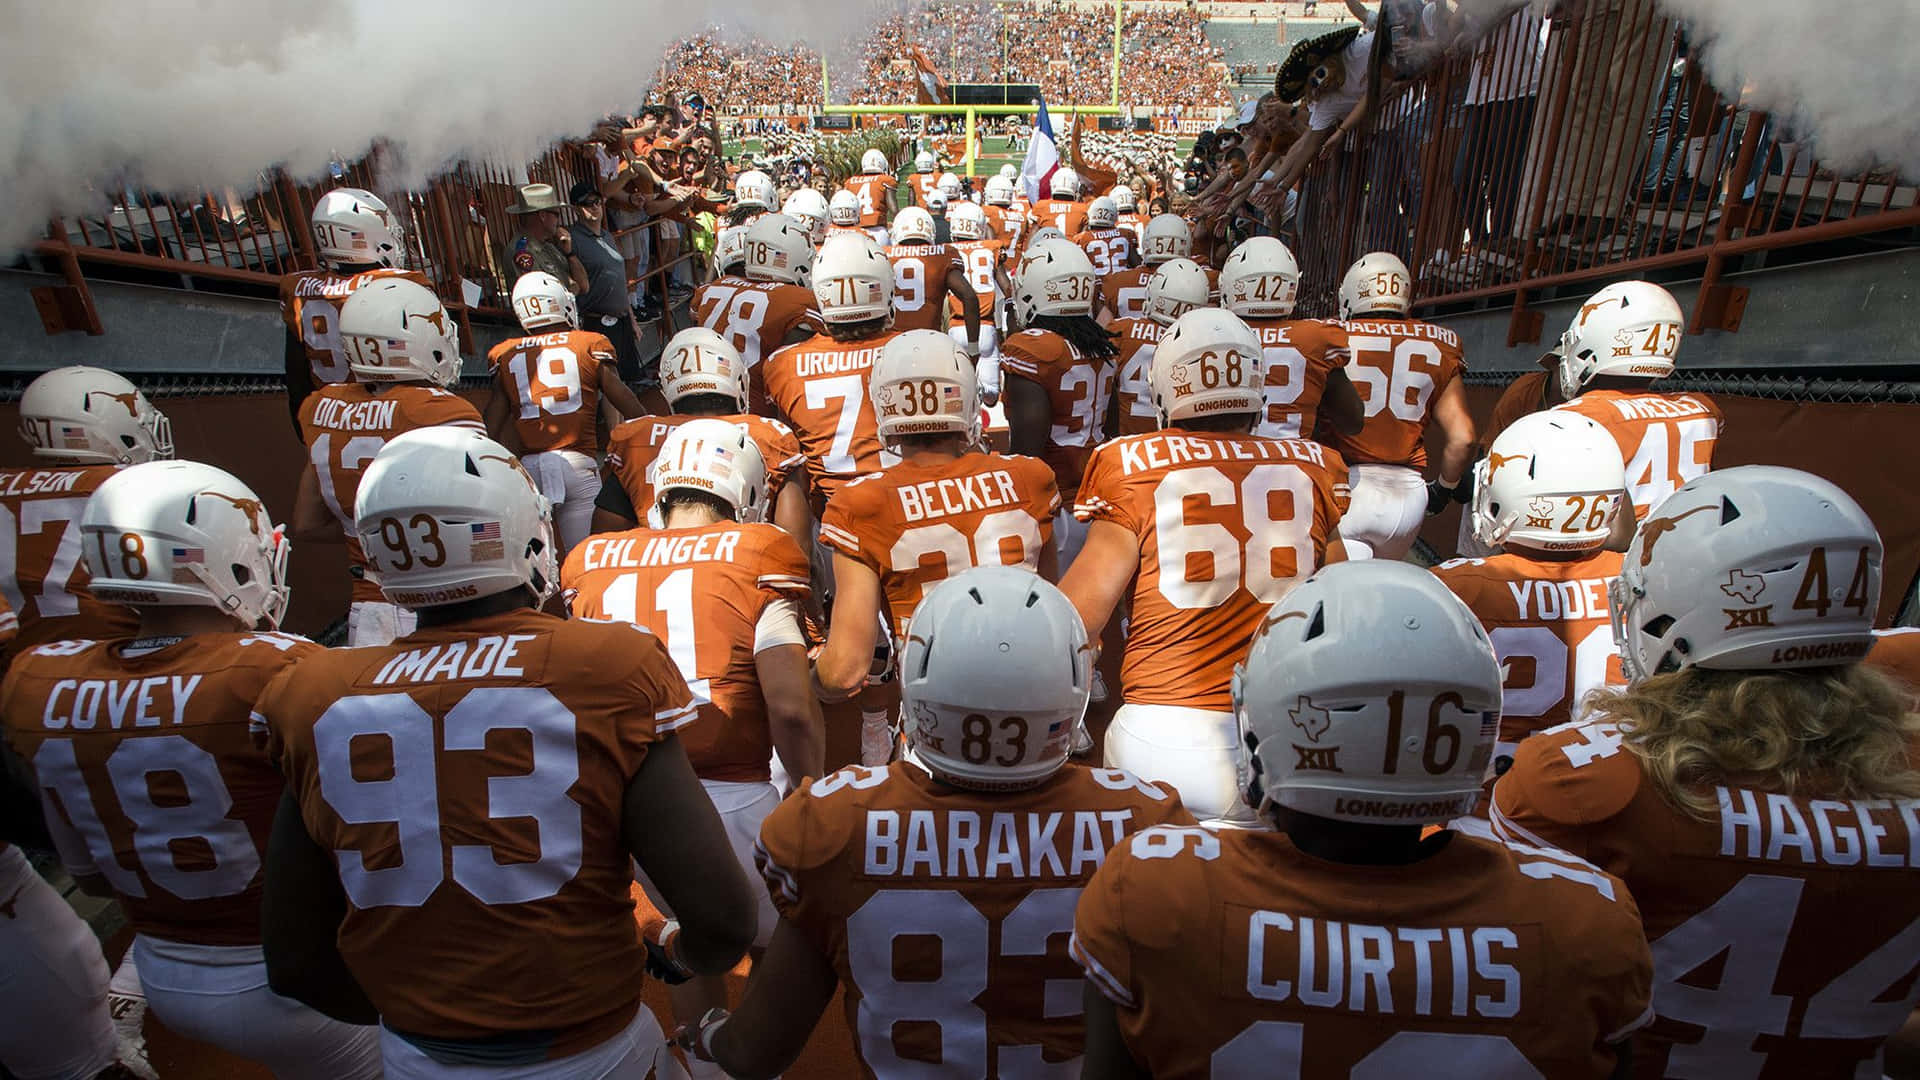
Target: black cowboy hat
[1308, 55]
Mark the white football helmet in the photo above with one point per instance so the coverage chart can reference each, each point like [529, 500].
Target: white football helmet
[844, 208]
[967, 222]
[446, 515]
[91, 416]
[1176, 287]
[353, 227]
[1055, 278]
[936, 204]
[1630, 329]
[852, 281]
[923, 162]
[754, 190]
[1260, 279]
[923, 384]
[715, 457]
[1371, 695]
[873, 163]
[730, 250]
[1009, 171]
[982, 697]
[394, 330]
[948, 185]
[700, 361]
[1065, 184]
[999, 191]
[912, 225]
[1102, 213]
[1376, 284]
[167, 533]
[543, 302]
[809, 206]
[780, 248]
[1208, 363]
[1165, 237]
[1550, 482]
[1044, 233]
[1754, 568]
[1123, 198]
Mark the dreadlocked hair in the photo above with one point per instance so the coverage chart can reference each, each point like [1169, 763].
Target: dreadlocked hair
[1088, 338]
[1838, 732]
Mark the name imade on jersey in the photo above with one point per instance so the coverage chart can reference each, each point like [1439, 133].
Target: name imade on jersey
[117, 704]
[1165, 449]
[957, 495]
[656, 550]
[1003, 845]
[1650, 407]
[39, 481]
[375, 414]
[1328, 964]
[496, 656]
[1817, 832]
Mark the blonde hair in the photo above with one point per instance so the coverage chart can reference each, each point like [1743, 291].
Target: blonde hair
[1843, 732]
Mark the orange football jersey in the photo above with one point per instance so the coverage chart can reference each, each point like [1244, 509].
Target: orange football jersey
[923, 185]
[346, 424]
[552, 384]
[1137, 338]
[149, 774]
[1300, 354]
[917, 525]
[819, 388]
[42, 575]
[469, 779]
[946, 912]
[1067, 215]
[1550, 629]
[876, 198]
[1665, 439]
[1131, 223]
[1784, 928]
[920, 284]
[755, 316]
[310, 302]
[978, 258]
[1398, 367]
[1232, 954]
[1078, 388]
[9, 623]
[635, 444]
[1897, 652]
[1226, 523]
[702, 591]
[1123, 293]
[1009, 225]
[1110, 250]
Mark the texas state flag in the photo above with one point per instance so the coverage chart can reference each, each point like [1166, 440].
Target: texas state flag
[1042, 157]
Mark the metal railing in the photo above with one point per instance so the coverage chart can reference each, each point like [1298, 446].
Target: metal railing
[1521, 166]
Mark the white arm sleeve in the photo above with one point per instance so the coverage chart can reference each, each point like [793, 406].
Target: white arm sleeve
[779, 625]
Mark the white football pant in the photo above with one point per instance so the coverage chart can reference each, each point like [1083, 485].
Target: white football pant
[743, 806]
[219, 996]
[54, 1023]
[1195, 750]
[371, 622]
[1389, 504]
[987, 369]
[571, 482]
[638, 1053]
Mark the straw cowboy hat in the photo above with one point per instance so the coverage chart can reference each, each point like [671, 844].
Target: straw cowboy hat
[535, 198]
[1291, 82]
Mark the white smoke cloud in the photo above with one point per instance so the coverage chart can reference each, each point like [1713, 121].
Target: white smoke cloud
[185, 95]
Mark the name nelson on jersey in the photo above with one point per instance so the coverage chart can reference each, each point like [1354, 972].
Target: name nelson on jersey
[1329, 964]
[1140, 455]
[39, 481]
[116, 704]
[1004, 845]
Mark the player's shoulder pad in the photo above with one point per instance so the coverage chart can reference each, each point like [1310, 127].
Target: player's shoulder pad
[1579, 773]
[816, 823]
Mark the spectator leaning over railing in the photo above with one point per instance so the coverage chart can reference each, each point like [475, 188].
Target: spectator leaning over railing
[603, 303]
[538, 241]
[1502, 87]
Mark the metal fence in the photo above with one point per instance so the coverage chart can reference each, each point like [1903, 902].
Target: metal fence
[1569, 149]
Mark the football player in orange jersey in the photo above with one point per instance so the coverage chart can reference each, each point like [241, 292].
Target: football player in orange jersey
[404, 350]
[354, 237]
[925, 276]
[1344, 942]
[938, 890]
[1623, 339]
[464, 806]
[897, 533]
[925, 179]
[1110, 249]
[1123, 295]
[808, 207]
[724, 591]
[1059, 372]
[155, 791]
[1201, 525]
[770, 306]
[1176, 287]
[1754, 784]
[1306, 358]
[1009, 223]
[1129, 219]
[1063, 208]
[701, 375]
[873, 191]
[547, 399]
[843, 214]
[82, 423]
[1408, 374]
[1545, 499]
[981, 255]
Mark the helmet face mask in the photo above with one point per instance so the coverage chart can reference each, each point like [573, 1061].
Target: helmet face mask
[91, 416]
